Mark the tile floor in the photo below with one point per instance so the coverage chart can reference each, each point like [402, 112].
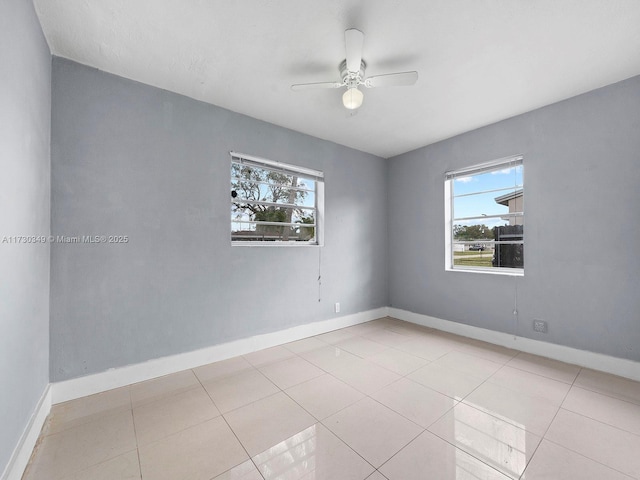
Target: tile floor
[381, 400]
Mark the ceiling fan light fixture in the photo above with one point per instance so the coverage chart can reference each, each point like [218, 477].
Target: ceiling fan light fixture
[352, 98]
[352, 74]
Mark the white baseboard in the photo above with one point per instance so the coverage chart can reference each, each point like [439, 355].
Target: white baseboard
[596, 361]
[122, 376]
[22, 453]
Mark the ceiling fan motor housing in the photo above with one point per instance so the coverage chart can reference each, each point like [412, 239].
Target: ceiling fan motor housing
[352, 79]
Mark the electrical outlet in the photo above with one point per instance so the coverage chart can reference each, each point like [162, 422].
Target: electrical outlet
[337, 307]
[540, 326]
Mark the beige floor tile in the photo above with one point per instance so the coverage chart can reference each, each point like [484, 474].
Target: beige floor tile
[456, 342]
[533, 414]
[336, 336]
[603, 443]
[366, 376]
[468, 364]
[388, 337]
[377, 476]
[70, 451]
[151, 390]
[362, 347]
[410, 329]
[485, 350]
[429, 457]
[446, 381]
[605, 409]
[330, 358]
[363, 328]
[222, 369]
[415, 402]
[305, 345]
[244, 471]
[124, 467]
[170, 415]
[552, 462]
[290, 372]
[531, 384]
[429, 348]
[197, 453]
[324, 396]
[314, 453]
[373, 430]
[497, 443]
[241, 389]
[608, 384]
[398, 361]
[563, 372]
[86, 409]
[267, 422]
[386, 322]
[268, 355]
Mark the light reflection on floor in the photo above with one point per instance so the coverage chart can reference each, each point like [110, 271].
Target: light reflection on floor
[291, 459]
[496, 442]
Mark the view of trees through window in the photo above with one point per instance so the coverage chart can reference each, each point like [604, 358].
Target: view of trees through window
[269, 204]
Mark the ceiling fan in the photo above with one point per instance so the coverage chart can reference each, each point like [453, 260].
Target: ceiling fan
[352, 74]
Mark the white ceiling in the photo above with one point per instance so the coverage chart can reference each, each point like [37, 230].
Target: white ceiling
[479, 61]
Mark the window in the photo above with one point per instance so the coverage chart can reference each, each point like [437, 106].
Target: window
[484, 217]
[273, 203]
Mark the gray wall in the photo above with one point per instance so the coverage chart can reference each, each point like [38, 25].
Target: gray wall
[25, 119]
[129, 159]
[582, 227]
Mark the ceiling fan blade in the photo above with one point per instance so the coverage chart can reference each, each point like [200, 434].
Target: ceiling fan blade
[353, 40]
[314, 86]
[392, 80]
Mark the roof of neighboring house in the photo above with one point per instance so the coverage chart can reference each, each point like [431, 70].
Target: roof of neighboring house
[504, 199]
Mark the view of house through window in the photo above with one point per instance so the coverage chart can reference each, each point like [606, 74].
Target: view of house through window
[273, 202]
[485, 217]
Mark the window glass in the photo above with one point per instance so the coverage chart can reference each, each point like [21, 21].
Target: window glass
[485, 217]
[273, 202]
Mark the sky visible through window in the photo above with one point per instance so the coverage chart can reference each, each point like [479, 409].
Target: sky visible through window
[494, 184]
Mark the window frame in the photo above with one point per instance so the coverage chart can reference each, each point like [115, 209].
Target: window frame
[450, 219]
[285, 168]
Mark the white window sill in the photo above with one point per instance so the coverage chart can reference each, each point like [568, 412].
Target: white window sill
[509, 272]
[274, 244]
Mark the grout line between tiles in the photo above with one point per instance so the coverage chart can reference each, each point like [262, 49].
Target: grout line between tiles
[544, 435]
[584, 456]
[233, 432]
[481, 460]
[508, 364]
[331, 431]
[135, 433]
[596, 420]
[608, 395]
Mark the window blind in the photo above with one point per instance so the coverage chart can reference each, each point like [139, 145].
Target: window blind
[278, 167]
[506, 162]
